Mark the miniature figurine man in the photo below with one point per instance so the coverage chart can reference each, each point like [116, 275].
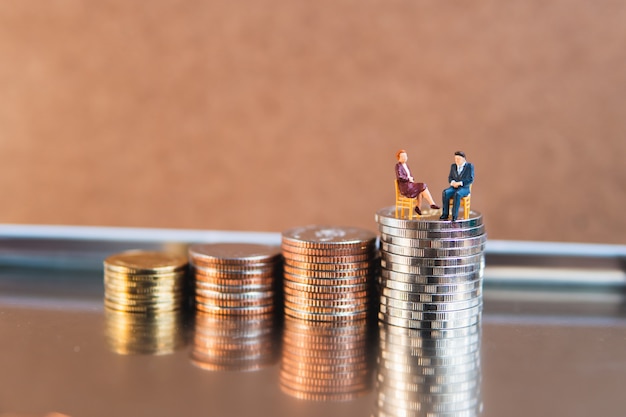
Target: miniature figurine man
[460, 178]
[408, 187]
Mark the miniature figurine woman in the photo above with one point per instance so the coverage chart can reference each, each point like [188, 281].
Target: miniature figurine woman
[408, 187]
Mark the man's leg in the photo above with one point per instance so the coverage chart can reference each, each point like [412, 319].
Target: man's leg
[446, 195]
[458, 195]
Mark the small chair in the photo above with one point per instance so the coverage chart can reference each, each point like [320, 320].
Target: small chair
[465, 204]
[403, 202]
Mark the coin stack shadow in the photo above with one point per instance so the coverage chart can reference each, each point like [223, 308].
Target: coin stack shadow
[430, 315]
[428, 373]
[144, 295]
[327, 282]
[236, 295]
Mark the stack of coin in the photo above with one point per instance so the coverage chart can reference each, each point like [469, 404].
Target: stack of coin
[431, 275]
[326, 361]
[132, 333]
[145, 282]
[235, 278]
[329, 272]
[429, 373]
[234, 343]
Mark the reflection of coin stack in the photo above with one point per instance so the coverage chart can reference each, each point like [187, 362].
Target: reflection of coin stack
[328, 272]
[325, 361]
[429, 373]
[234, 343]
[144, 282]
[235, 278]
[431, 271]
[137, 333]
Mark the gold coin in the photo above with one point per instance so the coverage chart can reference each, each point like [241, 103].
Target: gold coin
[145, 262]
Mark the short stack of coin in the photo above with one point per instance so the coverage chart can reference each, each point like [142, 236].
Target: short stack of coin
[431, 275]
[326, 361]
[328, 272]
[235, 278]
[234, 343]
[132, 333]
[428, 372]
[145, 282]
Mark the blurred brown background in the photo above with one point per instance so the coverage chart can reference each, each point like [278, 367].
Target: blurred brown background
[266, 115]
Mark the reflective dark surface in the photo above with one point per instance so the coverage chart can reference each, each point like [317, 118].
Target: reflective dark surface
[557, 350]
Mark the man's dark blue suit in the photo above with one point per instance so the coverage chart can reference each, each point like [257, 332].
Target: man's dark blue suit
[467, 177]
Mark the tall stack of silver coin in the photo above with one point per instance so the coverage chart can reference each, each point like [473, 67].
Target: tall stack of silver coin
[328, 272]
[431, 275]
[430, 314]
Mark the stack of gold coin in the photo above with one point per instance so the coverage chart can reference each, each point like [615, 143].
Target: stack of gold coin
[329, 272]
[429, 372]
[145, 282]
[132, 333]
[326, 361]
[234, 343]
[235, 278]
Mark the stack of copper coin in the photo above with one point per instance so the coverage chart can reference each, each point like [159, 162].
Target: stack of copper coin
[145, 282]
[234, 343]
[131, 333]
[432, 270]
[328, 272]
[429, 372]
[235, 278]
[325, 361]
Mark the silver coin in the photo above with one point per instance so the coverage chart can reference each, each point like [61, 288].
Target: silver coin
[429, 279]
[429, 324]
[410, 339]
[422, 404]
[391, 384]
[432, 262]
[430, 315]
[389, 366]
[431, 270]
[419, 306]
[396, 396]
[434, 243]
[430, 252]
[404, 413]
[387, 216]
[431, 298]
[431, 338]
[432, 234]
[397, 377]
[411, 292]
[430, 346]
[432, 361]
